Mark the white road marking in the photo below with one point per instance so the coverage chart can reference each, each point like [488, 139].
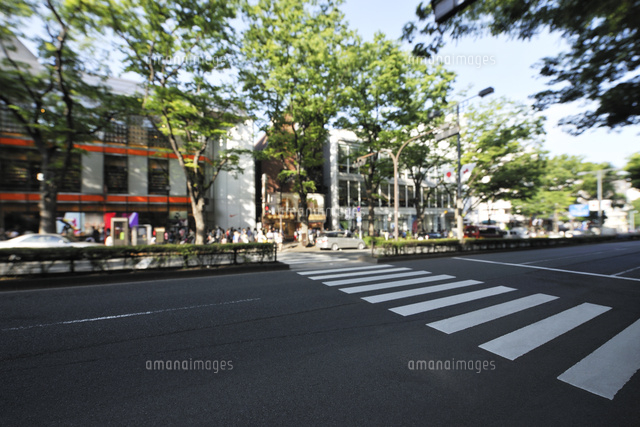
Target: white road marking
[548, 269]
[121, 316]
[374, 278]
[396, 284]
[565, 257]
[420, 291]
[421, 307]
[359, 273]
[343, 270]
[605, 371]
[626, 271]
[520, 342]
[312, 260]
[478, 317]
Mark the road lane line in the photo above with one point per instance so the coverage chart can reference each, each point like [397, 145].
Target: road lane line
[121, 316]
[605, 371]
[374, 278]
[520, 342]
[343, 270]
[359, 273]
[548, 269]
[420, 291]
[396, 284]
[311, 260]
[421, 307]
[626, 271]
[484, 315]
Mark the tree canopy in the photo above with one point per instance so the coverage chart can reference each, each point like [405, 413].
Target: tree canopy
[502, 139]
[600, 66]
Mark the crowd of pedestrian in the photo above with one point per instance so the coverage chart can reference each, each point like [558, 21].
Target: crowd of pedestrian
[245, 235]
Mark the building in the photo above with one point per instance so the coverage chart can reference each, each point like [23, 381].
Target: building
[128, 170]
[347, 206]
[277, 205]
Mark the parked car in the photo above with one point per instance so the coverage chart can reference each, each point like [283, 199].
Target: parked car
[43, 241]
[335, 240]
[423, 235]
[483, 232]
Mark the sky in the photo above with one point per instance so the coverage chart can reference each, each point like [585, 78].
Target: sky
[509, 69]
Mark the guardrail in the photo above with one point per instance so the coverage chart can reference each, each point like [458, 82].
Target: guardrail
[47, 261]
[452, 246]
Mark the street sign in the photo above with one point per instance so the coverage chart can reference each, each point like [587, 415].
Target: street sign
[445, 9]
[446, 133]
[579, 210]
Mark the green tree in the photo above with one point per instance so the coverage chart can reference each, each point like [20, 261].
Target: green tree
[558, 189]
[633, 168]
[60, 100]
[175, 47]
[292, 74]
[387, 101]
[502, 139]
[601, 63]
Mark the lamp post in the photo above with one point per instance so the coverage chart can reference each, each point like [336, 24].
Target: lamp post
[632, 221]
[360, 161]
[459, 225]
[599, 175]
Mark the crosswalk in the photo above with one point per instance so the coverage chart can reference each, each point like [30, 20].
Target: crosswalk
[299, 258]
[604, 372]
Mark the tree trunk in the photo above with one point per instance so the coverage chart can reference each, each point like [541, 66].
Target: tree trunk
[304, 218]
[48, 203]
[197, 207]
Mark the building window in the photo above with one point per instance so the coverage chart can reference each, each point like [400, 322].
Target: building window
[343, 192]
[71, 180]
[115, 174]
[402, 196]
[158, 176]
[19, 169]
[411, 195]
[353, 193]
[343, 158]
[385, 196]
[116, 133]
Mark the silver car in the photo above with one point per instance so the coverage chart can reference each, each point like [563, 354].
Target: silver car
[335, 240]
[43, 241]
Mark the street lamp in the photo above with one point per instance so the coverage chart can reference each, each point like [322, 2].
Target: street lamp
[459, 231]
[632, 221]
[599, 174]
[360, 162]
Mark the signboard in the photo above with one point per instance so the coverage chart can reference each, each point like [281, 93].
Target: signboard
[605, 204]
[446, 133]
[444, 9]
[579, 210]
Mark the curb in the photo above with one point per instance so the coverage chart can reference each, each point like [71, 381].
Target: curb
[90, 279]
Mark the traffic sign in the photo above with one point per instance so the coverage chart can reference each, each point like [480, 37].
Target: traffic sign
[579, 210]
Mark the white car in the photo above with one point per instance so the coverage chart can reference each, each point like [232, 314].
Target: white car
[335, 240]
[43, 241]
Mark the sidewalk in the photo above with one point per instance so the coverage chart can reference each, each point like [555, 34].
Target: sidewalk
[297, 247]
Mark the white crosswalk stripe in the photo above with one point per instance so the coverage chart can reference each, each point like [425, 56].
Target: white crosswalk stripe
[605, 371]
[522, 341]
[396, 284]
[343, 270]
[421, 307]
[359, 273]
[478, 317]
[300, 258]
[420, 291]
[374, 278]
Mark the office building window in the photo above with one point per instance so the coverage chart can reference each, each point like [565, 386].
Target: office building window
[116, 177]
[158, 176]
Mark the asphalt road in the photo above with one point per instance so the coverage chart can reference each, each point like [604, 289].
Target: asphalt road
[545, 337]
